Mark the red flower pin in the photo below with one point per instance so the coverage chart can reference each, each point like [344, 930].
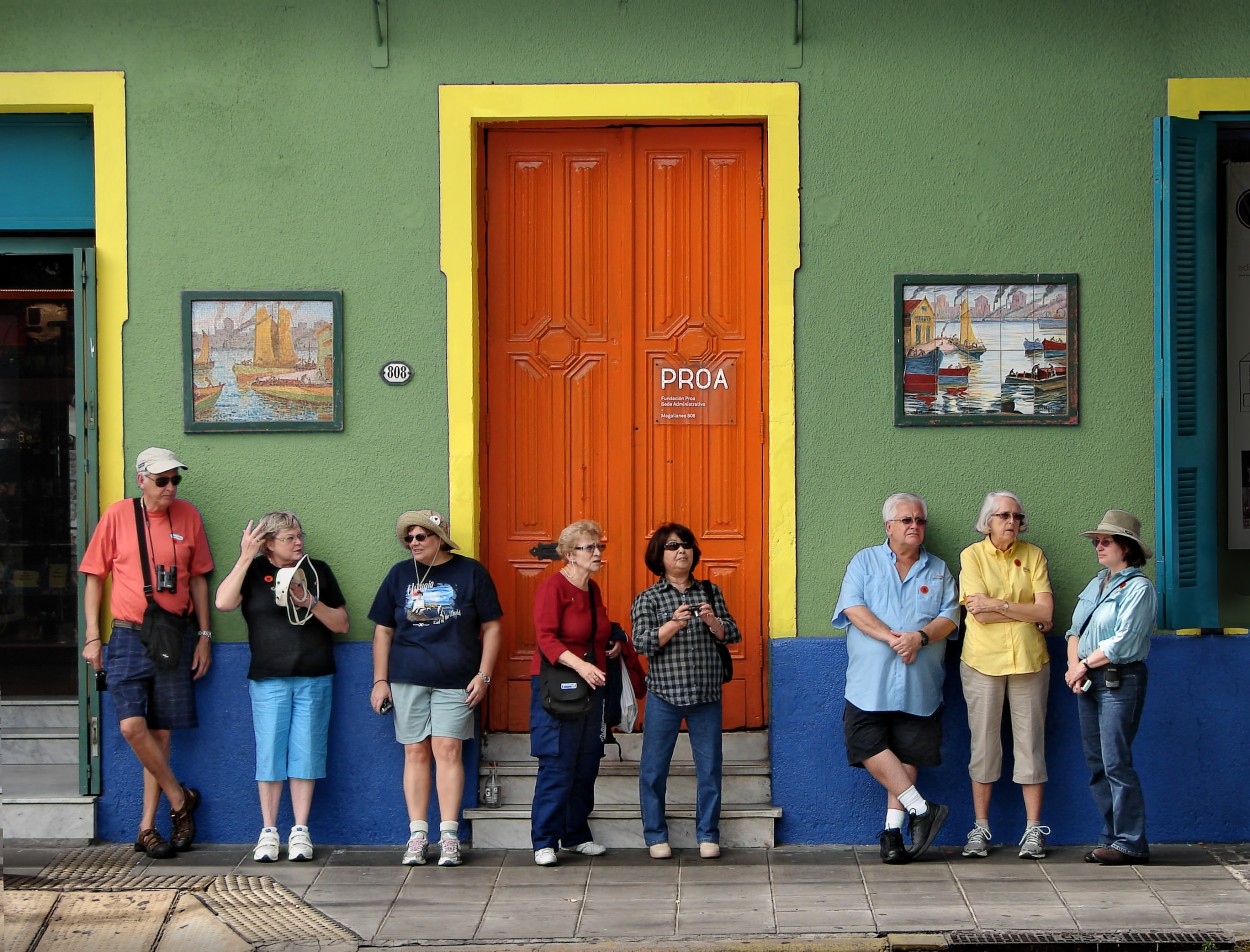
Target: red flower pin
[924, 589]
[1017, 563]
[268, 578]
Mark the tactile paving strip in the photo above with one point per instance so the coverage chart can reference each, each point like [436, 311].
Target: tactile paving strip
[1236, 860]
[97, 867]
[262, 910]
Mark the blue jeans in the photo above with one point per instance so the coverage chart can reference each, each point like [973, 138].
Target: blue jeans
[568, 755]
[1109, 721]
[661, 724]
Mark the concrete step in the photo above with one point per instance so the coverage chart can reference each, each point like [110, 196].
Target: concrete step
[19, 713]
[620, 827]
[41, 802]
[618, 782]
[39, 745]
[735, 746]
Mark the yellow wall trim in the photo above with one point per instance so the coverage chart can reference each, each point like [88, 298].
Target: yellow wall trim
[1189, 98]
[463, 109]
[102, 94]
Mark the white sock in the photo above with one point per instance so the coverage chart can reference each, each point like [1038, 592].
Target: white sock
[449, 828]
[913, 802]
[269, 829]
[1029, 824]
[984, 823]
[298, 826]
[418, 826]
[894, 819]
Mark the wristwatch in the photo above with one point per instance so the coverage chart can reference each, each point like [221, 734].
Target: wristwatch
[924, 637]
[205, 633]
[484, 676]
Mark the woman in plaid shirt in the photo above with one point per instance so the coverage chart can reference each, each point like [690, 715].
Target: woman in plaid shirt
[674, 622]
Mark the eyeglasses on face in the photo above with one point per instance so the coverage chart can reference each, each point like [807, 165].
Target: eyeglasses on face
[293, 537]
[593, 547]
[163, 481]
[672, 545]
[1010, 517]
[1102, 543]
[908, 520]
[416, 537]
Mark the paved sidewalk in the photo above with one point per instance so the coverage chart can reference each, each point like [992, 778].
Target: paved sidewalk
[802, 897]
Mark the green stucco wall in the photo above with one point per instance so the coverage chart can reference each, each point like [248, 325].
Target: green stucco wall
[265, 152]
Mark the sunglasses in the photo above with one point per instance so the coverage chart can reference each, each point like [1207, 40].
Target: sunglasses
[1101, 543]
[673, 546]
[163, 481]
[416, 537]
[593, 547]
[908, 520]
[1010, 516]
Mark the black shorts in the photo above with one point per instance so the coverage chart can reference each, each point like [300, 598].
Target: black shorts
[916, 740]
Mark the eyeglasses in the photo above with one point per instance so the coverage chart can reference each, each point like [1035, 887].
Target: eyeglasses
[672, 545]
[297, 537]
[908, 520]
[593, 547]
[1101, 543]
[163, 481]
[416, 537]
[1010, 516]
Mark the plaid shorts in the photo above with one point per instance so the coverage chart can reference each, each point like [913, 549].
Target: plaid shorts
[165, 698]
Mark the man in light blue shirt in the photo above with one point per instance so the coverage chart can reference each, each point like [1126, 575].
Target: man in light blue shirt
[897, 604]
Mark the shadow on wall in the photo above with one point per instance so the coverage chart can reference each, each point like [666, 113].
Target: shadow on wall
[1192, 749]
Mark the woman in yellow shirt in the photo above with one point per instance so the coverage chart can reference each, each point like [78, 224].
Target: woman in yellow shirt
[1004, 583]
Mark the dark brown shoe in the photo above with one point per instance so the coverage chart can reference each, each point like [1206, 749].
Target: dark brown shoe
[183, 820]
[151, 843]
[1111, 857]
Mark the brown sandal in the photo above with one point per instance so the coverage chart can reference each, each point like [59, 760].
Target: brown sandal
[183, 820]
[153, 845]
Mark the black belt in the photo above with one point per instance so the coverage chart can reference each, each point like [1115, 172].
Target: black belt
[131, 625]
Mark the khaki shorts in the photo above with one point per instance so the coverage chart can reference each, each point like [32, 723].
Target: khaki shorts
[1026, 696]
[422, 712]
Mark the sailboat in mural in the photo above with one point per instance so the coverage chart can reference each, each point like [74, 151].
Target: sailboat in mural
[204, 362]
[273, 350]
[968, 343]
[312, 383]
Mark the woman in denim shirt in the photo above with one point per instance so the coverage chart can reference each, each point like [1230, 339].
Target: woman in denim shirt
[1107, 647]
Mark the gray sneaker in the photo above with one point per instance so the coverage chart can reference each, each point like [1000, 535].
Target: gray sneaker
[1033, 843]
[418, 847]
[978, 841]
[449, 851]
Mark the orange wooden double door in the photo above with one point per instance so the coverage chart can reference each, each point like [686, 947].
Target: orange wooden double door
[625, 361]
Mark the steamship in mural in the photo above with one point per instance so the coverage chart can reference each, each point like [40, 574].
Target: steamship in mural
[985, 349]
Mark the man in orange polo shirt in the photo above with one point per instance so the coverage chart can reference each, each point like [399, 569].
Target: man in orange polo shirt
[150, 701]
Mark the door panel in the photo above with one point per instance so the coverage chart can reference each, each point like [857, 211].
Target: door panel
[615, 259]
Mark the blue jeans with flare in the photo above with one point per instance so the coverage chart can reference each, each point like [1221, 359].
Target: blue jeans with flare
[1109, 721]
[661, 724]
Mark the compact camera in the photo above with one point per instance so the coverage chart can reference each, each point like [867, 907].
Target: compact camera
[101, 680]
[167, 578]
[1111, 677]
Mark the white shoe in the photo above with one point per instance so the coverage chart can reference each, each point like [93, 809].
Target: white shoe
[660, 850]
[709, 850]
[267, 846]
[449, 851]
[545, 856]
[418, 847]
[299, 848]
[589, 848]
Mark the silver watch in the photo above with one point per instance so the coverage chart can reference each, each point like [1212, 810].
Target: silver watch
[484, 676]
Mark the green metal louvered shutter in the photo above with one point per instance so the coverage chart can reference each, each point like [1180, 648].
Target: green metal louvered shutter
[1186, 418]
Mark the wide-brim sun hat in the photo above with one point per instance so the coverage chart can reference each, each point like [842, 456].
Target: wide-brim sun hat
[436, 522]
[1118, 522]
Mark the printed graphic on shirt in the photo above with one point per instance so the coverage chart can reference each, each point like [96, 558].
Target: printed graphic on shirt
[430, 604]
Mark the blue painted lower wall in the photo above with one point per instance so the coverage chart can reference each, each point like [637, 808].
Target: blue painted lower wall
[1193, 753]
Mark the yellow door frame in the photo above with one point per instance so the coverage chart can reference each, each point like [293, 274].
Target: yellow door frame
[463, 110]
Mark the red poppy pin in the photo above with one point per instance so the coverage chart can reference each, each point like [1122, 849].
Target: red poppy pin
[1017, 563]
[268, 578]
[1122, 584]
[924, 589]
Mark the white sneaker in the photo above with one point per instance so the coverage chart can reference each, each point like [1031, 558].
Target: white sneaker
[1033, 843]
[709, 850]
[660, 850]
[299, 848]
[545, 856]
[267, 846]
[449, 851]
[418, 847]
[589, 848]
[978, 841]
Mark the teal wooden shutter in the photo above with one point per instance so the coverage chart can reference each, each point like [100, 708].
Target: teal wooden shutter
[1186, 452]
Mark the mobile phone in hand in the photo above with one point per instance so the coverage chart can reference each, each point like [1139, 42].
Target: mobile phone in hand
[101, 680]
[386, 706]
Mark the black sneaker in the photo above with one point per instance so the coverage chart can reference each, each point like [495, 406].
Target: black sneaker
[925, 827]
[892, 849]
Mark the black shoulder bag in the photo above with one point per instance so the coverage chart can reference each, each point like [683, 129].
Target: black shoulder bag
[162, 632]
[722, 649]
[563, 692]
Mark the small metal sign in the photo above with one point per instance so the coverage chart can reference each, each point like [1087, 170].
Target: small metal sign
[396, 373]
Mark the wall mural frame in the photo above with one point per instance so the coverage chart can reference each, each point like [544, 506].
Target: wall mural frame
[262, 361]
[986, 349]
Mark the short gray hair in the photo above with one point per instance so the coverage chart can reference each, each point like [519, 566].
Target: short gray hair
[892, 504]
[574, 531]
[989, 507]
[271, 523]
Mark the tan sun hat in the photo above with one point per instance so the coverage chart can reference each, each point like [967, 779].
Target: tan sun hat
[1117, 522]
[156, 459]
[436, 522]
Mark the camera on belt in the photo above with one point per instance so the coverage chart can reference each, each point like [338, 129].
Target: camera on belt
[167, 578]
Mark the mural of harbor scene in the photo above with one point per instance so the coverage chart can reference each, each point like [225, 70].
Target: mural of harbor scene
[262, 364]
[976, 351]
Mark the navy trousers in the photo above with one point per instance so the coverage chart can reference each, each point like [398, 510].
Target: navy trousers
[568, 755]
